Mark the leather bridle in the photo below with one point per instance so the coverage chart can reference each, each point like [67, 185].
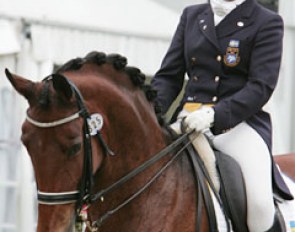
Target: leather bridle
[83, 196]
[84, 190]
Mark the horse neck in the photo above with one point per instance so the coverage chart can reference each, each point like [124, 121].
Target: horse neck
[132, 132]
[168, 203]
[134, 143]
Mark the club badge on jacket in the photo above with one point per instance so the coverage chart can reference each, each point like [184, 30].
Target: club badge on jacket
[232, 58]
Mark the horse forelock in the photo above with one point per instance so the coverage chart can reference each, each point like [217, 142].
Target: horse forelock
[44, 96]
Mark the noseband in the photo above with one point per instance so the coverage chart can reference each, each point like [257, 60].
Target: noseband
[83, 195]
[80, 196]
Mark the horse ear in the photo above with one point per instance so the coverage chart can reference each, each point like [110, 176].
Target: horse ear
[62, 86]
[21, 85]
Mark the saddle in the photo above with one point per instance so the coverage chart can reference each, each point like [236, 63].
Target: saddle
[232, 191]
[233, 195]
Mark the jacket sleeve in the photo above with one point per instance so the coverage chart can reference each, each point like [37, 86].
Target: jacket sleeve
[168, 81]
[263, 75]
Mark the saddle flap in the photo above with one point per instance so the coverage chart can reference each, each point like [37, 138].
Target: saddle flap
[232, 191]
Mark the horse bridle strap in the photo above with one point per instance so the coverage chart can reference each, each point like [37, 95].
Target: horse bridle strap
[167, 150]
[49, 198]
[84, 188]
[53, 123]
[179, 141]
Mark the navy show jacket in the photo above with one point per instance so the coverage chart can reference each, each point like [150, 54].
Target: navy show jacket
[234, 66]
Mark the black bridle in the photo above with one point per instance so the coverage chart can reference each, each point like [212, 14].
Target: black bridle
[80, 196]
[84, 197]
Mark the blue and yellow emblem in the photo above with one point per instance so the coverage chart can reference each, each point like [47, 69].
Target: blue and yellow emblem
[232, 58]
[292, 226]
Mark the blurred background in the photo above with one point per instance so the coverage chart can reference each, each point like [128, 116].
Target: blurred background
[37, 36]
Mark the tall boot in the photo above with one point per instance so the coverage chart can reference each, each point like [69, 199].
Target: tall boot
[278, 224]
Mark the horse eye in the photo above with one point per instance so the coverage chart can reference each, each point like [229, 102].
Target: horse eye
[74, 149]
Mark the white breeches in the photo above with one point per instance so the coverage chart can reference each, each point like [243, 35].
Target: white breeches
[248, 148]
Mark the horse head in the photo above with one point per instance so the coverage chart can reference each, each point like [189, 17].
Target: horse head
[54, 133]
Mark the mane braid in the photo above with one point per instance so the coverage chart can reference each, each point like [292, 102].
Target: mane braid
[135, 75]
[74, 64]
[44, 98]
[98, 58]
[119, 63]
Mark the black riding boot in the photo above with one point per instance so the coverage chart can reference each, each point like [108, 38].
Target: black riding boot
[278, 224]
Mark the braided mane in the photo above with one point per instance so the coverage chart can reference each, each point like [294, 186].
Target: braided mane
[119, 63]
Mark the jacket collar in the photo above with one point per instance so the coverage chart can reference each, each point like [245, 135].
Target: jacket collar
[236, 20]
[206, 25]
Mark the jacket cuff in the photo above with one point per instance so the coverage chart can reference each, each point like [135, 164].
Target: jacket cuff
[222, 119]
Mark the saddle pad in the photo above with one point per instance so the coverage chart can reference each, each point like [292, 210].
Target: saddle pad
[220, 218]
[288, 207]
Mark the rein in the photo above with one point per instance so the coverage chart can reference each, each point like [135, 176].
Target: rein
[141, 168]
[83, 196]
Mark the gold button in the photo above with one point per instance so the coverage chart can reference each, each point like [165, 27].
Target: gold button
[217, 78]
[218, 58]
[195, 78]
[214, 99]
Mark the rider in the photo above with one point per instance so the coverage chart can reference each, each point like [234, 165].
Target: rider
[231, 52]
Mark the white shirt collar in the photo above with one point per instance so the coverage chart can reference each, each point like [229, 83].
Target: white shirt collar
[223, 8]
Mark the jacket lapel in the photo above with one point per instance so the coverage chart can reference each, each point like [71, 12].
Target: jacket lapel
[238, 19]
[206, 25]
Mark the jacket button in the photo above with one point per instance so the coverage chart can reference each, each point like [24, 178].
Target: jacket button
[194, 60]
[216, 79]
[214, 99]
[219, 58]
[195, 78]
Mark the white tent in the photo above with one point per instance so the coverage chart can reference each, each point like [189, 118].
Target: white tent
[36, 35]
[63, 30]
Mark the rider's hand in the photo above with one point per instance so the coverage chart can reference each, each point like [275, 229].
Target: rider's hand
[200, 119]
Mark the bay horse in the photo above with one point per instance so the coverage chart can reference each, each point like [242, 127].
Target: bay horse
[286, 163]
[93, 127]
[130, 134]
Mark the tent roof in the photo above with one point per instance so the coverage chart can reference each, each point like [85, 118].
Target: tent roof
[153, 19]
